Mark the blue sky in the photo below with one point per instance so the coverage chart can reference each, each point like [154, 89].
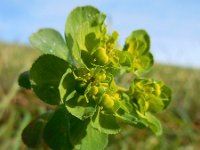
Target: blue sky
[173, 25]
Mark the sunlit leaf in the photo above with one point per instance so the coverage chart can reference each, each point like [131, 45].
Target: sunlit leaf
[143, 63]
[79, 107]
[105, 123]
[94, 140]
[138, 45]
[67, 85]
[166, 95]
[138, 42]
[50, 41]
[83, 30]
[126, 117]
[150, 94]
[156, 104]
[152, 122]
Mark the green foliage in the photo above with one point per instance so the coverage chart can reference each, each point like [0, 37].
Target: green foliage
[50, 41]
[93, 140]
[138, 45]
[45, 75]
[33, 134]
[56, 133]
[79, 77]
[24, 80]
[83, 30]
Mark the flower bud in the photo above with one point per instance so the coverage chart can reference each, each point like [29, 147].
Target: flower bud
[101, 77]
[94, 90]
[157, 89]
[101, 56]
[107, 101]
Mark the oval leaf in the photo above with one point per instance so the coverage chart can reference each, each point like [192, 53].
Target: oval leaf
[152, 122]
[105, 123]
[137, 42]
[77, 129]
[126, 117]
[138, 45]
[24, 80]
[94, 140]
[83, 30]
[56, 133]
[79, 107]
[45, 75]
[50, 41]
[32, 135]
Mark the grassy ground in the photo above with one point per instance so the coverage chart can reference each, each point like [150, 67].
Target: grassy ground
[14, 102]
[181, 121]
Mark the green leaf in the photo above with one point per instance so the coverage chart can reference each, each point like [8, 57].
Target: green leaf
[126, 117]
[81, 112]
[156, 104]
[77, 129]
[67, 85]
[138, 45]
[45, 75]
[56, 133]
[83, 30]
[126, 106]
[24, 80]
[152, 122]
[73, 82]
[143, 63]
[137, 42]
[94, 140]
[80, 108]
[105, 123]
[32, 135]
[141, 102]
[150, 94]
[50, 41]
[166, 95]
[87, 58]
[125, 58]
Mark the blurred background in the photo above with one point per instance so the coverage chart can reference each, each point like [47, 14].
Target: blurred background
[174, 28]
